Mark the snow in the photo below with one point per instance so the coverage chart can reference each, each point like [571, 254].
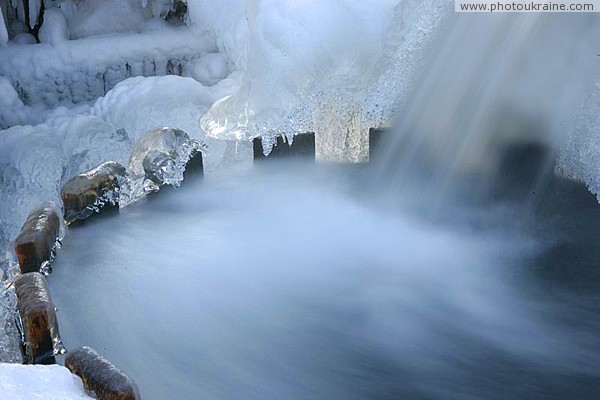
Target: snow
[48, 382]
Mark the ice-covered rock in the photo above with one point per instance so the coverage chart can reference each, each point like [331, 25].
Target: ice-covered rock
[39, 239]
[48, 382]
[159, 158]
[101, 376]
[91, 190]
[38, 317]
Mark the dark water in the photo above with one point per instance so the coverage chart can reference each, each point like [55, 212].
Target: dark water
[300, 282]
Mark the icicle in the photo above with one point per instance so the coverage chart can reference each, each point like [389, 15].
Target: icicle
[144, 3]
[34, 12]
[3, 30]
[20, 6]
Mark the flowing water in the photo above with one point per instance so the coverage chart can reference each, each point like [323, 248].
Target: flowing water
[454, 267]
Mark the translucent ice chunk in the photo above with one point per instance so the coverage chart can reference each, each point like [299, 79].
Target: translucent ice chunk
[159, 158]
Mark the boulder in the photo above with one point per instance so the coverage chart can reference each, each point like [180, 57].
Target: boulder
[100, 375]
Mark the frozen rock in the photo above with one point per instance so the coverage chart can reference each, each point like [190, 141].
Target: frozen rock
[40, 328]
[100, 375]
[91, 190]
[39, 238]
[159, 158]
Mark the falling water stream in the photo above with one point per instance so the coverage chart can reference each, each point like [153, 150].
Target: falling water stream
[455, 266]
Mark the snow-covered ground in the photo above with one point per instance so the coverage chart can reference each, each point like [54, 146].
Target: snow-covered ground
[48, 382]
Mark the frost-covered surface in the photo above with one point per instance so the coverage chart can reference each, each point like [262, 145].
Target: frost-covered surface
[48, 382]
[78, 71]
[301, 58]
[579, 156]
[9, 332]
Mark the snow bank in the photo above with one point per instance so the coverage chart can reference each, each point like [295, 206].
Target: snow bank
[48, 382]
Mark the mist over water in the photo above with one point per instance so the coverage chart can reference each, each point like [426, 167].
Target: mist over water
[285, 282]
[447, 269]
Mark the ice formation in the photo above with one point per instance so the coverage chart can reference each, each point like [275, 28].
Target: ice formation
[158, 158]
[579, 156]
[3, 30]
[304, 61]
[54, 30]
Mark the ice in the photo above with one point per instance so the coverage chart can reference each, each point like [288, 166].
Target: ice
[24, 38]
[98, 17]
[209, 69]
[54, 29]
[79, 71]
[579, 155]
[34, 11]
[10, 338]
[159, 158]
[301, 61]
[48, 382]
[3, 30]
